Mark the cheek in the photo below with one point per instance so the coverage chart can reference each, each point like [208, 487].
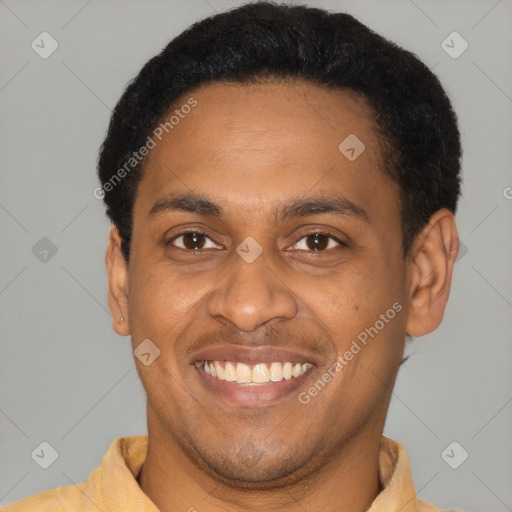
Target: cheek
[359, 292]
[159, 300]
[364, 302]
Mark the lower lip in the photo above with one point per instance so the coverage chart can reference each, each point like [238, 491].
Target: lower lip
[253, 395]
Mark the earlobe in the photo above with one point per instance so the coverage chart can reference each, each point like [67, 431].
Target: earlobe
[117, 272]
[431, 263]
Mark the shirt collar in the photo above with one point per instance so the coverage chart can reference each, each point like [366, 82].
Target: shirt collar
[398, 492]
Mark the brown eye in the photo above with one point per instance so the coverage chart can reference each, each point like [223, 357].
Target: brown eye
[191, 241]
[318, 242]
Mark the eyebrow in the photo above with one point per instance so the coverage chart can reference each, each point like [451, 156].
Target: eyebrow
[303, 207]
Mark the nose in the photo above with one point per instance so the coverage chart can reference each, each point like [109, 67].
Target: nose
[251, 295]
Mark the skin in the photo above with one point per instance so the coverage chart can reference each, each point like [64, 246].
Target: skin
[252, 149]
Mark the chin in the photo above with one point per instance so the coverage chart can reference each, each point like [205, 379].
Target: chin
[249, 467]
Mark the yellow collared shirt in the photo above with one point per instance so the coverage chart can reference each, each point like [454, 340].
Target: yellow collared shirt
[112, 487]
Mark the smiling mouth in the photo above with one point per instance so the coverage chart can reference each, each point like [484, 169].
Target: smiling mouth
[257, 374]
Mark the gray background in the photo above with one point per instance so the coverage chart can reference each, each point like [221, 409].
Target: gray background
[67, 379]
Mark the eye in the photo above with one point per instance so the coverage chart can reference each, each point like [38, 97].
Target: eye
[192, 241]
[197, 240]
[318, 242]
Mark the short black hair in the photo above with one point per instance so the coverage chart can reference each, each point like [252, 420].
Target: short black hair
[418, 130]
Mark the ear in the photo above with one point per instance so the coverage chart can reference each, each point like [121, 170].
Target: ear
[117, 271]
[431, 263]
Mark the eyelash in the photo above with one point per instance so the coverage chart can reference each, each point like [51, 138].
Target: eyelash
[201, 233]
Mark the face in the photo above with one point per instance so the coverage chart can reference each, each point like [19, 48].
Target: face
[257, 242]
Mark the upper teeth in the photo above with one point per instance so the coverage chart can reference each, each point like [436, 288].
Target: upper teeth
[259, 373]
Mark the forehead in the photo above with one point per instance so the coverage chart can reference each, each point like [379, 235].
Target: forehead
[268, 115]
[255, 141]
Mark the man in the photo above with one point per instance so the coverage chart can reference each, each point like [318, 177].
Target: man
[282, 185]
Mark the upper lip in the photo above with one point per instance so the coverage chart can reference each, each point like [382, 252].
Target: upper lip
[252, 355]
